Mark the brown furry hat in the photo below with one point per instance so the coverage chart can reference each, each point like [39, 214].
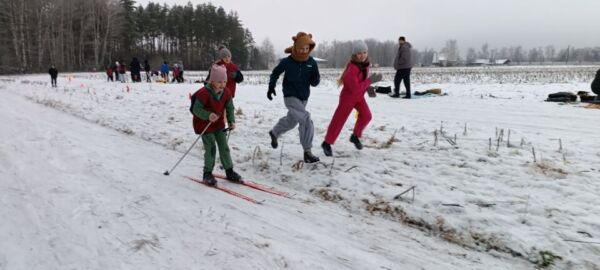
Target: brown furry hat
[300, 40]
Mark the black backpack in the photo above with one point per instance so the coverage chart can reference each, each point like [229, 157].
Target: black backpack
[383, 89]
[562, 97]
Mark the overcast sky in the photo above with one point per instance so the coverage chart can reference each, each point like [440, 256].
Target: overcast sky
[425, 23]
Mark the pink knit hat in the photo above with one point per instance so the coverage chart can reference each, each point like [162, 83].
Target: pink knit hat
[218, 73]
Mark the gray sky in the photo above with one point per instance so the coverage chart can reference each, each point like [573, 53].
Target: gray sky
[425, 23]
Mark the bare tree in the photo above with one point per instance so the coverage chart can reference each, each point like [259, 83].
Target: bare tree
[471, 55]
[484, 53]
[451, 50]
[267, 51]
[550, 52]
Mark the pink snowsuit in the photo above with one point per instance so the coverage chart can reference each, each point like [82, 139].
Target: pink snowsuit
[352, 96]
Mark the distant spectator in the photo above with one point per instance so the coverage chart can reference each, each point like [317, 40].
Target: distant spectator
[175, 73]
[53, 75]
[109, 74]
[164, 71]
[147, 70]
[135, 69]
[115, 68]
[180, 72]
[122, 72]
[596, 84]
[403, 64]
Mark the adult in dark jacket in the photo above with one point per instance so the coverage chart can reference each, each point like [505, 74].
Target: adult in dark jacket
[596, 84]
[403, 65]
[53, 74]
[135, 68]
[301, 72]
[147, 70]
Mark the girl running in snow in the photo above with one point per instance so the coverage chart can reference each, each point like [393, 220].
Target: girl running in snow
[355, 83]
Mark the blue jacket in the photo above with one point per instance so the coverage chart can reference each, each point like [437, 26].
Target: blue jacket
[298, 78]
[164, 68]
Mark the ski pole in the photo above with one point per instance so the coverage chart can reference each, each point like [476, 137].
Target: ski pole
[167, 172]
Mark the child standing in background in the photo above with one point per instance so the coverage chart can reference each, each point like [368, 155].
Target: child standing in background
[234, 75]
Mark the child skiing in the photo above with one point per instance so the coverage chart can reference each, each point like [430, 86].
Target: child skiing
[301, 72]
[355, 83]
[210, 106]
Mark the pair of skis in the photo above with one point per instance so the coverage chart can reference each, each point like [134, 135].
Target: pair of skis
[247, 183]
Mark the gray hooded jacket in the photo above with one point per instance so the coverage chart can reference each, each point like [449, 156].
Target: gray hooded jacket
[403, 57]
[596, 83]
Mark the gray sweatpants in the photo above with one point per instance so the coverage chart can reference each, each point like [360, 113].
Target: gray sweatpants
[297, 114]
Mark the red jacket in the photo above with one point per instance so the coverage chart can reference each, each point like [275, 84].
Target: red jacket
[211, 105]
[231, 80]
[354, 85]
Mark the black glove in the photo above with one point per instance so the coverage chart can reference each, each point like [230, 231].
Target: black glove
[271, 92]
[376, 77]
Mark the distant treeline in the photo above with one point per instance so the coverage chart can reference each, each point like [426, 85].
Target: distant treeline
[383, 52]
[87, 35]
[84, 35]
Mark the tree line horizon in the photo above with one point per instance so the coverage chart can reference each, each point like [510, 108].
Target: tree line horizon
[88, 35]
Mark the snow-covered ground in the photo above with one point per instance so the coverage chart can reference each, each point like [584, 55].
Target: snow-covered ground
[78, 195]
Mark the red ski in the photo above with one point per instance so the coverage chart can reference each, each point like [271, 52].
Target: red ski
[226, 190]
[257, 186]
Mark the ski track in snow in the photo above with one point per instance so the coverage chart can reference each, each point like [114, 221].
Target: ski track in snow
[75, 192]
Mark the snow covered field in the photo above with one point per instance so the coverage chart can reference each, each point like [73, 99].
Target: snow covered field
[90, 194]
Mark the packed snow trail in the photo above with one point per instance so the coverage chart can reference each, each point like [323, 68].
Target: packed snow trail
[74, 195]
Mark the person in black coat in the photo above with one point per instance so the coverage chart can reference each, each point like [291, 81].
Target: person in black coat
[596, 83]
[147, 69]
[135, 69]
[53, 74]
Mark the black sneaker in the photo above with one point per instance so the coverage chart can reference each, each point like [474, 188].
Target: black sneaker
[356, 142]
[327, 149]
[273, 139]
[209, 179]
[395, 95]
[310, 158]
[233, 176]
[406, 97]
